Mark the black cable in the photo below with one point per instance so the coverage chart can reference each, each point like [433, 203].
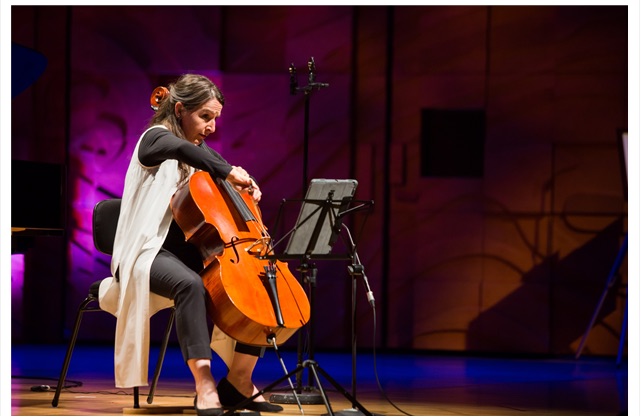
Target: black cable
[75, 384]
[44, 387]
[380, 387]
[370, 297]
[121, 392]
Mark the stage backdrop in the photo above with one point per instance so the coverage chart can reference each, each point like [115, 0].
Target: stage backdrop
[487, 138]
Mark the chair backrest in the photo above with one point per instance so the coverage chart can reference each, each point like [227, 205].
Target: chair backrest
[105, 221]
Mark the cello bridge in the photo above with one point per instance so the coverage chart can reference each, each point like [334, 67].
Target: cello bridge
[263, 246]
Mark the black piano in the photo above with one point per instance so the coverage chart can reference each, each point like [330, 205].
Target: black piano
[37, 201]
[38, 234]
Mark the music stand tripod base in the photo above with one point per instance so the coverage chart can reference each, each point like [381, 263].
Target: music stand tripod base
[305, 397]
[350, 412]
[242, 413]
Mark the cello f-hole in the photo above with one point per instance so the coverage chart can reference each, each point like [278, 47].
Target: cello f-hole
[234, 240]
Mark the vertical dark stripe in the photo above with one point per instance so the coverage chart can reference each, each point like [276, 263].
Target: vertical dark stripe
[488, 55]
[66, 195]
[549, 250]
[36, 19]
[353, 145]
[389, 52]
[223, 41]
[353, 79]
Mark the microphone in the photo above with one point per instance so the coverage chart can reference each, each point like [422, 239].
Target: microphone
[370, 294]
[311, 67]
[293, 83]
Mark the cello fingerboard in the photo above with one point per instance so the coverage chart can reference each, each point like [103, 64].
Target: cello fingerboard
[238, 201]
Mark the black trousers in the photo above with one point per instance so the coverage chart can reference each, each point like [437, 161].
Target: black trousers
[173, 275]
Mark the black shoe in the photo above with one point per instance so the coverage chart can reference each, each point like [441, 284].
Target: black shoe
[218, 411]
[229, 397]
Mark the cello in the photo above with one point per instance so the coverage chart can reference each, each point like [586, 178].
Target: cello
[251, 299]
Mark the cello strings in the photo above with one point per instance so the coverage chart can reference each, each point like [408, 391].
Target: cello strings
[248, 216]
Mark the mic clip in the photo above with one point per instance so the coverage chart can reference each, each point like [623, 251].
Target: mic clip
[293, 81]
[356, 269]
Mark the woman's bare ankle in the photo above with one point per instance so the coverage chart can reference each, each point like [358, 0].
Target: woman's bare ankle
[244, 385]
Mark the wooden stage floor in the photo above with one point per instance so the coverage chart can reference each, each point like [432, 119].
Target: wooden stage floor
[412, 384]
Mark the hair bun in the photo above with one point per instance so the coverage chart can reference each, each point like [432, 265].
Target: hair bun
[157, 96]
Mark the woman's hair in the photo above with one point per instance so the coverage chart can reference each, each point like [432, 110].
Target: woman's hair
[192, 91]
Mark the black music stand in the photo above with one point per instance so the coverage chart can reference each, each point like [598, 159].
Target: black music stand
[318, 222]
[313, 237]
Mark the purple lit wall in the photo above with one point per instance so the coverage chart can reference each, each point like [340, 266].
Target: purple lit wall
[510, 260]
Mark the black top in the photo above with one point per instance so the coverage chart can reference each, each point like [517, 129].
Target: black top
[160, 144]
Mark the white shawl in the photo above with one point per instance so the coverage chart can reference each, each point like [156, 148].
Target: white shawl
[145, 217]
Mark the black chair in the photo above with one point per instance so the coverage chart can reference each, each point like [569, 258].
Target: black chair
[105, 220]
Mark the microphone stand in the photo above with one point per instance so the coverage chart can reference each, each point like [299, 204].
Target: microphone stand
[307, 269]
[293, 89]
[355, 270]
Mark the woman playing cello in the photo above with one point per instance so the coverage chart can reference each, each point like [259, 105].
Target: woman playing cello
[151, 255]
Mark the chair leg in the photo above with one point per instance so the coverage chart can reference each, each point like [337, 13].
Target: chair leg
[72, 343]
[136, 397]
[161, 356]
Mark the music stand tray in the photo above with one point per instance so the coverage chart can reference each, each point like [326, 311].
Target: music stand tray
[318, 222]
